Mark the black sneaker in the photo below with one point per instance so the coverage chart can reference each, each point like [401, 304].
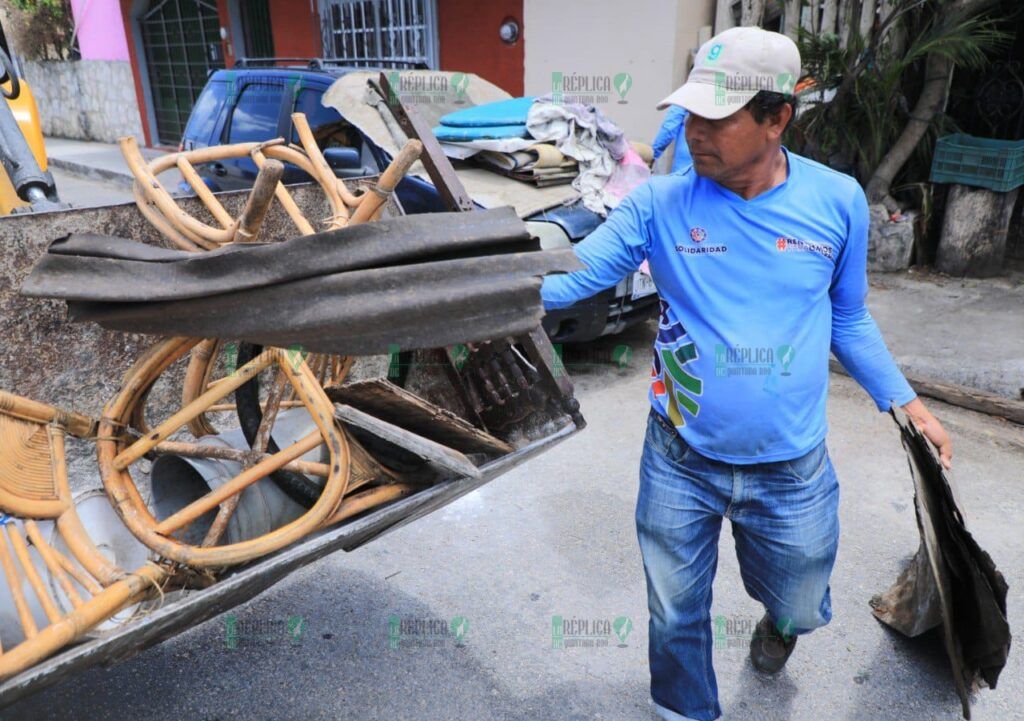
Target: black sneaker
[769, 649]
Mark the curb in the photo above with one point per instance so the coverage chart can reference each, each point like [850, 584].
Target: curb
[91, 172]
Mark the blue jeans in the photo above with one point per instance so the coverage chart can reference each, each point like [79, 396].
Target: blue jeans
[786, 527]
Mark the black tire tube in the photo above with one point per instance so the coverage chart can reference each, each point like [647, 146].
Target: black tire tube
[247, 403]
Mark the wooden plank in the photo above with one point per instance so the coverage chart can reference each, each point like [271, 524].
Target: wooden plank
[444, 459]
[957, 395]
[436, 163]
[383, 399]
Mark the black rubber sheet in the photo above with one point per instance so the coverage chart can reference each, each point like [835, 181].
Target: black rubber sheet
[952, 581]
[411, 282]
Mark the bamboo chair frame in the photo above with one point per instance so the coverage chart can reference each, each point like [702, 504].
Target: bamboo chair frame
[33, 487]
[158, 206]
[116, 451]
[367, 207]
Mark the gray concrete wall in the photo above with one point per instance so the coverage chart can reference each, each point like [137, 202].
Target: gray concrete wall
[652, 40]
[85, 99]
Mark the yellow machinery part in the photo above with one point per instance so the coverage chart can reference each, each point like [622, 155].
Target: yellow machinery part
[27, 115]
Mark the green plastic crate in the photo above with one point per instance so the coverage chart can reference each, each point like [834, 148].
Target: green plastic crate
[994, 164]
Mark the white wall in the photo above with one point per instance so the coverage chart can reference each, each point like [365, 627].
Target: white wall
[649, 39]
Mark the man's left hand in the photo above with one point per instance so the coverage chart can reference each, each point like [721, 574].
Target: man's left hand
[932, 429]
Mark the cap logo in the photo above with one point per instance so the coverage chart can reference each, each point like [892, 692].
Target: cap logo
[714, 52]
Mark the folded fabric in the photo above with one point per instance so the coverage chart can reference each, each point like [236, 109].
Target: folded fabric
[469, 148]
[501, 112]
[520, 160]
[584, 133]
[418, 281]
[452, 134]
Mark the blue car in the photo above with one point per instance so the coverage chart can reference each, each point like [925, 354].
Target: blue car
[253, 103]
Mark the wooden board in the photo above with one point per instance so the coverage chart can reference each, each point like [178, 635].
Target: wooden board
[442, 458]
[958, 395]
[381, 398]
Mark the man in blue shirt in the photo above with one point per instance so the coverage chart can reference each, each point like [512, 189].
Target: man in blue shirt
[759, 257]
[673, 130]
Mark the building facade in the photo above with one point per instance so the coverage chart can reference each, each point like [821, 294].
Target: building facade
[524, 46]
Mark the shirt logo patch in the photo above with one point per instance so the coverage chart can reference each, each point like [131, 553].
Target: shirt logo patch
[698, 234]
[795, 245]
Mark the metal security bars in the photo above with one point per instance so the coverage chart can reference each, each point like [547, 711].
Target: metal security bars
[182, 43]
[380, 33]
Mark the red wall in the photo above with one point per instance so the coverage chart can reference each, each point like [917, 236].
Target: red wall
[468, 31]
[296, 29]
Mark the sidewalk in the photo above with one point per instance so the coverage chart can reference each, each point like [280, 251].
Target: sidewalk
[965, 331]
[100, 161]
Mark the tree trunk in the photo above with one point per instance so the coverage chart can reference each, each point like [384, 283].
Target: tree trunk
[791, 22]
[867, 17]
[723, 16]
[829, 12]
[894, 34]
[751, 13]
[974, 229]
[845, 21]
[929, 102]
[937, 71]
[810, 21]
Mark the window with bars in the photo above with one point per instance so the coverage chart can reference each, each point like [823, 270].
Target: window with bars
[380, 33]
[181, 39]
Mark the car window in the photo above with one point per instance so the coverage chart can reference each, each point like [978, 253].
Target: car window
[204, 114]
[308, 102]
[329, 128]
[256, 113]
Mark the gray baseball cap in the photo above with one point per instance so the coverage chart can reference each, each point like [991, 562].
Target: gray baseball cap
[732, 67]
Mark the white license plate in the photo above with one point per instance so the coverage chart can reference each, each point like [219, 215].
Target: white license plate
[642, 285]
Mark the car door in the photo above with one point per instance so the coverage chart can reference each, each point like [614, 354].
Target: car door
[255, 117]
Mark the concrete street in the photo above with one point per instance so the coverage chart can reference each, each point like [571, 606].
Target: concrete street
[556, 537]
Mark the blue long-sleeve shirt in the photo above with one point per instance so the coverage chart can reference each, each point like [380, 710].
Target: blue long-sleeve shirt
[673, 129]
[754, 293]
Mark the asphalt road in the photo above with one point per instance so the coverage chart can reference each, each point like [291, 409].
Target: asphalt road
[362, 635]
